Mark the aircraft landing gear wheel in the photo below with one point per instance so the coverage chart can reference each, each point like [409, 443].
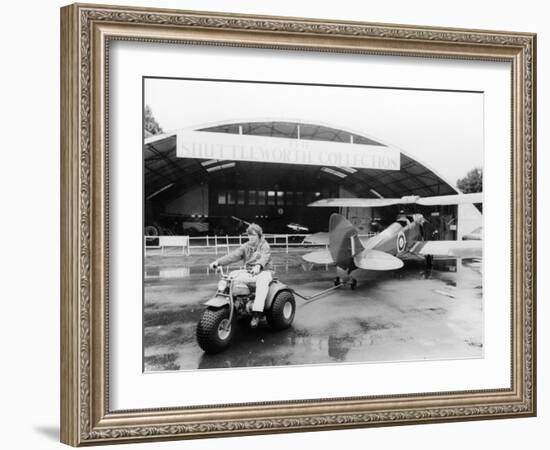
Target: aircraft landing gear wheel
[429, 261]
[337, 281]
[353, 284]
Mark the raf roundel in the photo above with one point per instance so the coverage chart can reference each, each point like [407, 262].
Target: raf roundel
[401, 242]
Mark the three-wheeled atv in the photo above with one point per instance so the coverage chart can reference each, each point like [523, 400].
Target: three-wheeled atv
[233, 302]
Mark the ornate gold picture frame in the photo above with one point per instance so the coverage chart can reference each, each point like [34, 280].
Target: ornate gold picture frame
[87, 32]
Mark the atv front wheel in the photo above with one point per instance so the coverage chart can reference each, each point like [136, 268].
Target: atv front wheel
[214, 331]
[282, 311]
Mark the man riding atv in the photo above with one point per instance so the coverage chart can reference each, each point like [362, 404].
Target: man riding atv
[256, 255]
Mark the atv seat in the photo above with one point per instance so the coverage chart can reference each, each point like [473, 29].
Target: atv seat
[244, 288]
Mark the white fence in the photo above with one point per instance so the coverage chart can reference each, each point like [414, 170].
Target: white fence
[167, 241]
[224, 244]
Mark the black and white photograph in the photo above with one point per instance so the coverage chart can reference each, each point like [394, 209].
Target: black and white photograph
[279, 225]
[297, 224]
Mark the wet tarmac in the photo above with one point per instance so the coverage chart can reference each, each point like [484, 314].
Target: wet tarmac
[406, 315]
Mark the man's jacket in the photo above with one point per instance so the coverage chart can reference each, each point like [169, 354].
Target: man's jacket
[250, 254]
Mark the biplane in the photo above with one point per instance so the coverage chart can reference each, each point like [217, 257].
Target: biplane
[403, 239]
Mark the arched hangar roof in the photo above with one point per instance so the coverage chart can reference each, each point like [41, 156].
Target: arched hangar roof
[163, 169]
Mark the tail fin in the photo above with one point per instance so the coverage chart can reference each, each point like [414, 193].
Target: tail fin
[344, 243]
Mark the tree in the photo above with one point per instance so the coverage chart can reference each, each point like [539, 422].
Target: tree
[150, 123]
[472, 182]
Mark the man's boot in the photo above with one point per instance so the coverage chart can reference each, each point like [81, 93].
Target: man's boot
[255, 320]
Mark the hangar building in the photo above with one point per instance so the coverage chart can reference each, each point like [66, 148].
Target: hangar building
[199, 196]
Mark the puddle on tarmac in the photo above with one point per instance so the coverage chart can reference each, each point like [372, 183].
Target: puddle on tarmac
[393, 315]
[183, 266]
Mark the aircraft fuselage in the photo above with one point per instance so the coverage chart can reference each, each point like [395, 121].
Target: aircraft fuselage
[399, 237]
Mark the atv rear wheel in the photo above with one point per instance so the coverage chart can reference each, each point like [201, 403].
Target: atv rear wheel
[282, 311]
[214, 331]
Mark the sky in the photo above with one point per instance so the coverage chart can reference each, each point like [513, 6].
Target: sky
[443, 130]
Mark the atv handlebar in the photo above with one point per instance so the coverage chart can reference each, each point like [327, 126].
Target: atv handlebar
[219, 268]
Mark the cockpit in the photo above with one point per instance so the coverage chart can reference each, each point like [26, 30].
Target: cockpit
[404, 220]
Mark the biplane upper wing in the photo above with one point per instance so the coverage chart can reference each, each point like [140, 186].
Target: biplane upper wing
[355, 202]
[462, 249]
[452, 199]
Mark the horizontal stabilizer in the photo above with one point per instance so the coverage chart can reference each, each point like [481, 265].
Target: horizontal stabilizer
[376, 260]
[319, 257]
[462, 249]
[317, 238]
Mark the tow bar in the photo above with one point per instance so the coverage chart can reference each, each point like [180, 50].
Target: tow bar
[317, 296]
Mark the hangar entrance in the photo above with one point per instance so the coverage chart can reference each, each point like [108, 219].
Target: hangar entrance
[273, 195]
